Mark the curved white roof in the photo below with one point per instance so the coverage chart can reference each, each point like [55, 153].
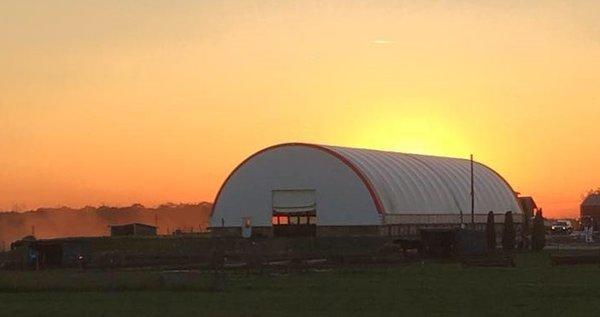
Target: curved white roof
[411, 183]
[397, 183]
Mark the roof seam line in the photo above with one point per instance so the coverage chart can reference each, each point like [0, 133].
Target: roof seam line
[441, 179]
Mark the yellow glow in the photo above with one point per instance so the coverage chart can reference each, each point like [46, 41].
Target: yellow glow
[119, 102]
[413, 133]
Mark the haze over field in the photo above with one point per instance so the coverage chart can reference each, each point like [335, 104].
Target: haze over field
[96, 221]
[120, 102]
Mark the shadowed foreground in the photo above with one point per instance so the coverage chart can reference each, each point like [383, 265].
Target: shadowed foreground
[534, 287]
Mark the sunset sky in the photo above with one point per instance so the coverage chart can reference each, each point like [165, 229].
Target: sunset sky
[118, 102]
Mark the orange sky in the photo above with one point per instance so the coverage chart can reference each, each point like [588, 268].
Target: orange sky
[117, 102]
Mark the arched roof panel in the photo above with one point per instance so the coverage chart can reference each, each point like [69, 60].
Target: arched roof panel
[411, 183]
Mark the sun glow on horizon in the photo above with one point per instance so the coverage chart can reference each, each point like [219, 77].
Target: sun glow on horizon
[122, 103]
[412, 130]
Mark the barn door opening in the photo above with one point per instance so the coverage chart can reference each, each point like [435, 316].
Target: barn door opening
[294, 213]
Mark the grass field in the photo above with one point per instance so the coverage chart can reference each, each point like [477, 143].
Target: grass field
[533, 288]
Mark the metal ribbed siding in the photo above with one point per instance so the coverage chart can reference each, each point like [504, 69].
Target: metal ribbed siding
[410, 183]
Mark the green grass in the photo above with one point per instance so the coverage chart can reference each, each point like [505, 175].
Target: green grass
[533, 288]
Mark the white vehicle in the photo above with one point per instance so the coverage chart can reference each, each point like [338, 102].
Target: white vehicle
[562, 226]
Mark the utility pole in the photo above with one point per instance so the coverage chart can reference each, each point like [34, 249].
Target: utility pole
[462, 221]
[472, 196]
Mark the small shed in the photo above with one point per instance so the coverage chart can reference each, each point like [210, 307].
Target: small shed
[590, 207]
[53, 253]
[528, 205]
[132, 229]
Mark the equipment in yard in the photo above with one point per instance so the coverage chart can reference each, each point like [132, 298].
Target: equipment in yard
[409, 244]
[470, 242]
[438, 242]
[448, 242]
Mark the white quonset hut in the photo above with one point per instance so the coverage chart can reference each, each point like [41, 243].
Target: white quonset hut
[307, 189]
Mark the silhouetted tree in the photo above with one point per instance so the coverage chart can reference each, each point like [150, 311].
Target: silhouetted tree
[538, 239]
[509, 233]
[490, 232]
[525, 231]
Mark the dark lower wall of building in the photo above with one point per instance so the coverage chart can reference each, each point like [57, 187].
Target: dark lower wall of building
[145, 230]
[590, 210]
[132, 230]
[236, 232]
[412, 230]
[396, 230]
[348, 231]
[322, 231]
[593, 212]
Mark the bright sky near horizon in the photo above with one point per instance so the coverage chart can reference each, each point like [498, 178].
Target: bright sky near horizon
[118, 102]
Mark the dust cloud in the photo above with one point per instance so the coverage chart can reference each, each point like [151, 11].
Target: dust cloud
[45, 223]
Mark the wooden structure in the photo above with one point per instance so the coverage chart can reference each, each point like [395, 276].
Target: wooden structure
[132, 229]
